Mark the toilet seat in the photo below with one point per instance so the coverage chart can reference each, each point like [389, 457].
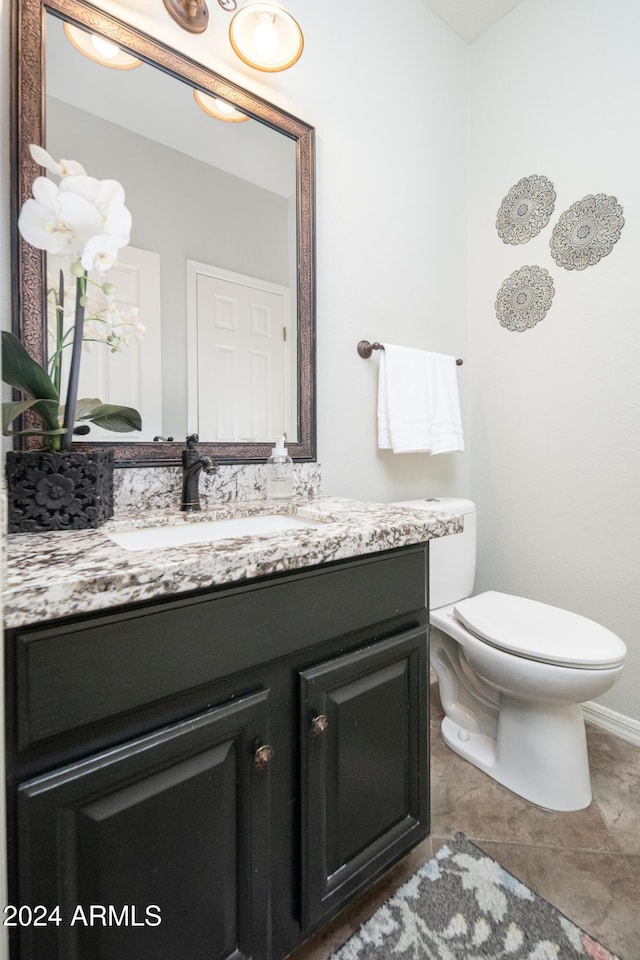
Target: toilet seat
[538, 631]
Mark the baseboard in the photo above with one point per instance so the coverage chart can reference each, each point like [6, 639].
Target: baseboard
[615, 723]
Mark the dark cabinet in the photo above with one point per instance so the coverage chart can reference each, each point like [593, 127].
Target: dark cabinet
[158, 848]
[365, 770]
[215, 776]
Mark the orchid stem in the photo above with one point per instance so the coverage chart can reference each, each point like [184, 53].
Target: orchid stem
[57, 363]
[74, 372]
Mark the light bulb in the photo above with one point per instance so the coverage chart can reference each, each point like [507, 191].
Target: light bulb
[224, 107]
[99, 49]
[219, 109]
[265, 37]
[104, 47]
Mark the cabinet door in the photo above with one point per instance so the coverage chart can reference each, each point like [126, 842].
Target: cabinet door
[365, 769]
[155, 850]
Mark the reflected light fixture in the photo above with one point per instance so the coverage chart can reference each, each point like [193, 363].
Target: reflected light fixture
[219, 109]
[99, 49]
[263, 35]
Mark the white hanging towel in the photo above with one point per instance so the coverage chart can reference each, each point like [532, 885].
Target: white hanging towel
[418, 403]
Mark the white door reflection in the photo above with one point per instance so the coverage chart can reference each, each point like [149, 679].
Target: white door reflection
[239, 363]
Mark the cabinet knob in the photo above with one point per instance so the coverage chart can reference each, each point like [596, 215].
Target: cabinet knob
[318, 725]
[263, 756]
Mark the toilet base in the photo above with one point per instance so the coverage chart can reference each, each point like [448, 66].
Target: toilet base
[539, 753]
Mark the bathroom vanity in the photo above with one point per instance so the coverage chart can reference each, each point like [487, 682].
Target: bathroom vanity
[212, 748]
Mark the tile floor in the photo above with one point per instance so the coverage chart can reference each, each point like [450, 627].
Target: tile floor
[586, 863]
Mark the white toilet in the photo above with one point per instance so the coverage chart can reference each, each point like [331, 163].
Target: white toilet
[512, 674]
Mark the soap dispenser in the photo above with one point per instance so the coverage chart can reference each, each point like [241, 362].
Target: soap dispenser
[279, 473]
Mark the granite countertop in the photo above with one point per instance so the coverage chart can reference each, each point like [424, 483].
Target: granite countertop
[54, 575]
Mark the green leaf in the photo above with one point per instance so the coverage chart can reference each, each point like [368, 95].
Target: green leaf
[35, 433]
[50, 412]
[46, 409]
[21, 371]
[85, 407]
[112, 417]
[12, 410]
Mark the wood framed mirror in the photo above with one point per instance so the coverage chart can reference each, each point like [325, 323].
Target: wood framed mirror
[40, 118]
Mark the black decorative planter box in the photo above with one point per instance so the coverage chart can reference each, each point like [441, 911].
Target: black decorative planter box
[68, 490]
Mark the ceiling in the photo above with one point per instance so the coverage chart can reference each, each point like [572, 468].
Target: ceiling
[470, 18]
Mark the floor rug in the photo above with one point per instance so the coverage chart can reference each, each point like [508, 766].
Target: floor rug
[462, 905]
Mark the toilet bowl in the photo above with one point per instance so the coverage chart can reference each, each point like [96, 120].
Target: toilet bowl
[512, 673]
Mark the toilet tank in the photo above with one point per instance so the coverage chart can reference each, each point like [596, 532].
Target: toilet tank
[452, 559]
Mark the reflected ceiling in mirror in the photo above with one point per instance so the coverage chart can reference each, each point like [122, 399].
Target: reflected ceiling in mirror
[225, 209]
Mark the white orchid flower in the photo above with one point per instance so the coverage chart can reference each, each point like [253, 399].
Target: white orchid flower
[100, 252]
[88, 187]
[107, 196]
[55, 221]
[110, 203]
[118, 223]
[85, 222]
[63, 168]
[93, 332]
[114, 316]
[101, 193]
[110, 192]
[131, 318]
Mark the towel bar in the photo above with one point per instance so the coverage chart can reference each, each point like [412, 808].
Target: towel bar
[365, 349]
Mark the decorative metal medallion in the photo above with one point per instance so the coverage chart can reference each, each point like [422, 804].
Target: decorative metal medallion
[526, 209]
[586, 232]
[524, 298]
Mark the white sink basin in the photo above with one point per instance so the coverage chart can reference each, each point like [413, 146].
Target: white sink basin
[208, 531]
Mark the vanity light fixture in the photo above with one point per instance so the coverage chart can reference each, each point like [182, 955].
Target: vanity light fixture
[99, 49]
[219, 109]
[266, 37]
[262, 34]
[193, 15]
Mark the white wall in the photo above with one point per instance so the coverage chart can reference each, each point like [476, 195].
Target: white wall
[555, 412]
[392, 167]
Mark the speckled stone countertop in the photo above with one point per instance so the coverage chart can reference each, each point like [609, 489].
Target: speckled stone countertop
[54, 575]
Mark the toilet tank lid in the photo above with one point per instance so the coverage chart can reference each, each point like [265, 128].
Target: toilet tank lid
[456, 505]
[539, 631]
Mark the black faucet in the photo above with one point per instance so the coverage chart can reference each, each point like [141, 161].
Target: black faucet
[192, 466]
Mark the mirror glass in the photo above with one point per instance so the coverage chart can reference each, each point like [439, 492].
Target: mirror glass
[219, 269]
